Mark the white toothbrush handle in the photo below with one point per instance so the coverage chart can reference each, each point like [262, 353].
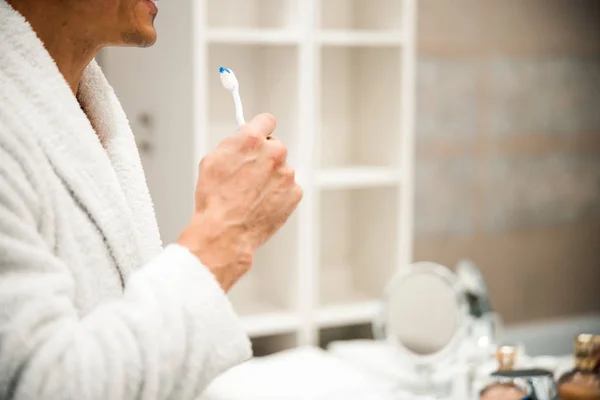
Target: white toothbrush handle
[239, 109]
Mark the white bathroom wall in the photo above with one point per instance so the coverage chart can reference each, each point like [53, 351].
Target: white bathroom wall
[162, 72]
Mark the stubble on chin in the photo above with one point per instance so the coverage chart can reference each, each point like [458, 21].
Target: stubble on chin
[137, 38]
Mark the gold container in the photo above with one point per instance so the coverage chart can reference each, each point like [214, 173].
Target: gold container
[583, 381]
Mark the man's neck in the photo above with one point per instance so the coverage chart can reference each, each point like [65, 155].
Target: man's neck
[63, 38]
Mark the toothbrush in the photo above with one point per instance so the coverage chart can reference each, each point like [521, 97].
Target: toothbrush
[231, 83]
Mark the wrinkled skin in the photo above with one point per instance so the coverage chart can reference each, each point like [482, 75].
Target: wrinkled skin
[74, 31]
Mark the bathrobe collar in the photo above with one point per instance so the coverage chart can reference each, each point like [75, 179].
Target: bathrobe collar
[106, 179]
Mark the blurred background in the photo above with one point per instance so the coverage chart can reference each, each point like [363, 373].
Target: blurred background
[499, 124]
[508, 149]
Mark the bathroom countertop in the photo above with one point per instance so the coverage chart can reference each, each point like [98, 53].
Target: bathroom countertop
[302, 374]
[352, 370]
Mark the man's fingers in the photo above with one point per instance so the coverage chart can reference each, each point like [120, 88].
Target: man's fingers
[262, 124]
[277, 152]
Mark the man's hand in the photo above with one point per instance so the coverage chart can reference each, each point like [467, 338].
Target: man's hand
[245, 192]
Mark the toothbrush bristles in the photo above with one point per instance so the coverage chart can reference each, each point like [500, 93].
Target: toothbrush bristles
[230, 82]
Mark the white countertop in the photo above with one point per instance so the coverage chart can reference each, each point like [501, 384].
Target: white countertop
[352, 370]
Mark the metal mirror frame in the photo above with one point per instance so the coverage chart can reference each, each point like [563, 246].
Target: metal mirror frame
[452, 348]
[466, 271]
[475, 285]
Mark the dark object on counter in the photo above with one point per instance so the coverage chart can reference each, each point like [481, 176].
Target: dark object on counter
[596, 353]
[509, 383]
[506, 357]
[502, 388]
[540, 382]
[583, 381]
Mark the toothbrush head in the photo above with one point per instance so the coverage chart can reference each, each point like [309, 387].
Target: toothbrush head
[230, 83]
[228, 79]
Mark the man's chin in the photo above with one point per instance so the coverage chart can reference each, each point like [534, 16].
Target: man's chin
[144, 37]
[150, 37]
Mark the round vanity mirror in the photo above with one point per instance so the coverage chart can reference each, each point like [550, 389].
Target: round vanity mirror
[423, 314]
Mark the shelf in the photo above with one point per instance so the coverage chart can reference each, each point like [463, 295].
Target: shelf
[357, 38]
[251, 13]
[357, 178]
[357, 254]
[270, 323]
[347, 314]
[361, 14]
[360, 107]
[345, 332]
[266, 296]
[268, 83]
[253, 36]
[333, 73]
[270, 344]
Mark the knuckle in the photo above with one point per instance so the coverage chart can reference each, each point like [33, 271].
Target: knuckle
[210, 167]
[251, 138]
[288, 173]
[227, 142]
[246, 129]
[298, 193]
[278, 152]
[249, 133]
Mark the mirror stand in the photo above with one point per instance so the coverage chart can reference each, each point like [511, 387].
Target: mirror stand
[436, 319]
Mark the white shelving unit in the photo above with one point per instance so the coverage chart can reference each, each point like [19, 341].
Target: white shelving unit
[339, 77]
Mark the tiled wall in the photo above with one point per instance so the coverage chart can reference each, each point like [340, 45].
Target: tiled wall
[508, 148]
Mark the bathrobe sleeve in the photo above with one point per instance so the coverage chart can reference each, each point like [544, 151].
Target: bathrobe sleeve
[167, 337]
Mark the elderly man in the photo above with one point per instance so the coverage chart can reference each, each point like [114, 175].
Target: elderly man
[91, 305]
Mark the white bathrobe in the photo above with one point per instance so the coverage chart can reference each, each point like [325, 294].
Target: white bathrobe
[91, 306]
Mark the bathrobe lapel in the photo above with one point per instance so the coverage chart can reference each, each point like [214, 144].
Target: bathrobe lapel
[112, 127]
[107, 182]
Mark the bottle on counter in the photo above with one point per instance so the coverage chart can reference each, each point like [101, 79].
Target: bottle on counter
[596, 353]
[501, 388]
[583, 381]
[506, 357]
